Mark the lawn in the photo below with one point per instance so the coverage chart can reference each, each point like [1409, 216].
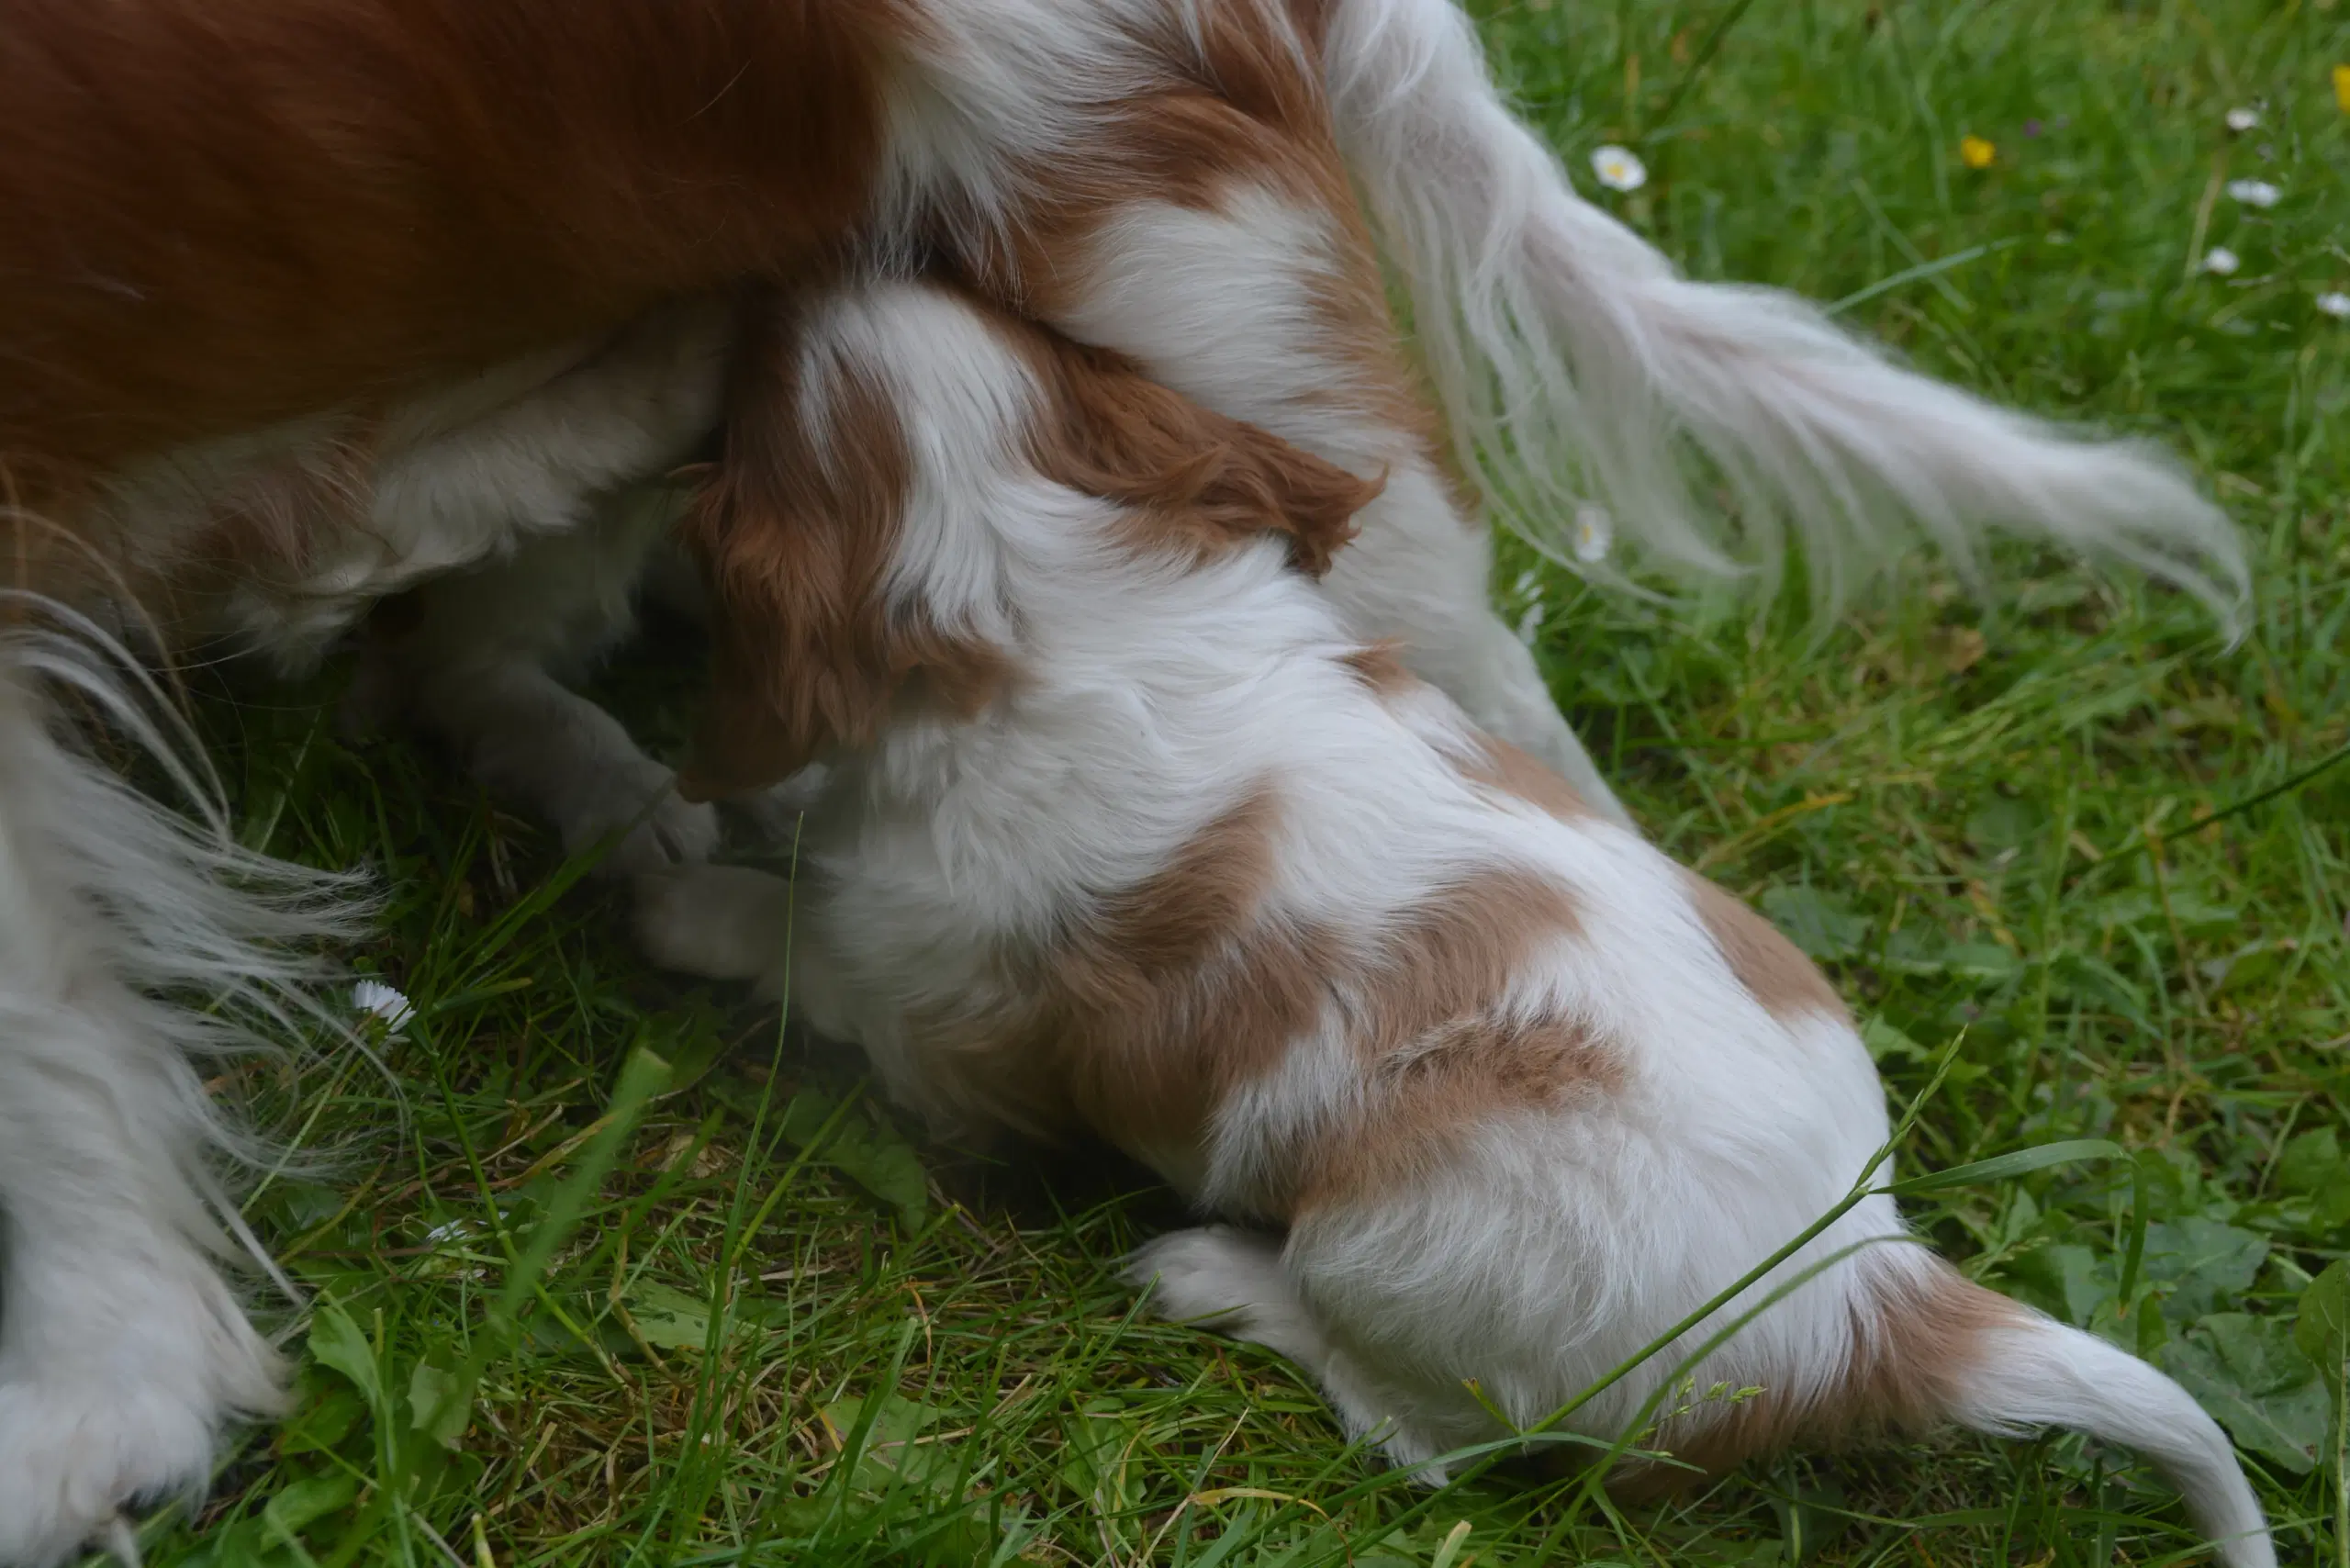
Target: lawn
[2059, 839]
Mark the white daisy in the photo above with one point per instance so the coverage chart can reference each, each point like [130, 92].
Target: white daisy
[2220, 260]
[1594, 533]
[2335, 303]
[2242, 120]
[1618, 169]
[1529, 625]
[380, 1001]
[2254, 193]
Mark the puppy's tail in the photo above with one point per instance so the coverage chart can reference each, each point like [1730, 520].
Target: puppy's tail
[1573, 361]
[1934, 1345]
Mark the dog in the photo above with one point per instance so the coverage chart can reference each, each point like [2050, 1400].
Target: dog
[1122, 828]
[302, 305]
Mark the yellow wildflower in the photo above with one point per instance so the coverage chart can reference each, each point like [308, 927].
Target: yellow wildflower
[1975, 152]
[2341, 88]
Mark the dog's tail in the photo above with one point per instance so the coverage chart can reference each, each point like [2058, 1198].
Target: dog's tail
[1933, 1345]
[1570, 357]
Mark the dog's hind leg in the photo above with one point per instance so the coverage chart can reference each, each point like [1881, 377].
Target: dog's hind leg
[125, 945]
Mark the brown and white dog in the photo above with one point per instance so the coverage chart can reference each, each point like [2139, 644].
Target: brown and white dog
[303, 301]
[1122, 827]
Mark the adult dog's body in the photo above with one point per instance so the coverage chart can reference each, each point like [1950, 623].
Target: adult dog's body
[260, 252]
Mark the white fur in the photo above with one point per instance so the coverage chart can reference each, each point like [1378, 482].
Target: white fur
[131, 943]
[1546, 1245]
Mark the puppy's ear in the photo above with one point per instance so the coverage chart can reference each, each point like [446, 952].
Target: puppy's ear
[796, 530]
[1198, 478]
[793, 530]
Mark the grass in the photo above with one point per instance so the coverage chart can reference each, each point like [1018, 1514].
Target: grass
[784, 1330]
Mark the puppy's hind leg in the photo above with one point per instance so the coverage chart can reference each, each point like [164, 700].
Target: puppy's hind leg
[1235, 1282]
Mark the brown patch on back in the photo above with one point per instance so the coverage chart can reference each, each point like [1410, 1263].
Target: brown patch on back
[1774, 970]
[1914, 1338]
[1139, 1016]
[1193, 480]
[795, 534]
[1151, 1009]
[1509, 769]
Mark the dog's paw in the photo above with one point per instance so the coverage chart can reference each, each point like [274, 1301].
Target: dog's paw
[676, 832]
[718, 922]
[77, 1451]
[1217, 1277]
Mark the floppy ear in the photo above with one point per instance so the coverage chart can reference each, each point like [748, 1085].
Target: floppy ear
[1200, 479]
[793, 530]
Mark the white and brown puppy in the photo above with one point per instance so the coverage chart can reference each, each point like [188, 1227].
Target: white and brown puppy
[1123, 828]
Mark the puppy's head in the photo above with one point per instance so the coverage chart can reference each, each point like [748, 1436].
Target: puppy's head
[817, 636]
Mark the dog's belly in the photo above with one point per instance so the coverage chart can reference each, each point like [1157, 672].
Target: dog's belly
[282, 538]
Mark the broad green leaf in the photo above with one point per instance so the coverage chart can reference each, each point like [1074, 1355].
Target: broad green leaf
[1885, 1042]
[2202, 1266]
[1822, 925]
[312, 1497]
[2248, 1372]
[2064, 1280]
[2001, 824]
[2322, 1323]
[336, 1341]
[670, 1319]
[890, 1455]
[2311, 1164]
[440, 1405]
[871, 1155]
[329, 1409]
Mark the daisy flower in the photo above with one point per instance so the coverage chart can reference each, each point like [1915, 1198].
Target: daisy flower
[2335, 303]
[2242, 119]
[1595, 532]
[1975, 152]
[2254, 193]
[379, 1000]
[2220, 260]
[1618, 169]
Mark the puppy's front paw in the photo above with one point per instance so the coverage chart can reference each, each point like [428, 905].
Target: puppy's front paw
[719, 921]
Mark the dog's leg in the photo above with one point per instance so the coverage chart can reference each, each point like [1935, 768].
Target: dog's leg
[474, 670]
[122, 1351]
[475, 666]
[1236, 1282]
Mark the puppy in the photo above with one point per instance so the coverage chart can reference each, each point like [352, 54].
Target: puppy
[1122, 828]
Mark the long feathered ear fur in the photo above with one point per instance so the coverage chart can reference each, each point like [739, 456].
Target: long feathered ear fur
[794, 530]
[1193, 477]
